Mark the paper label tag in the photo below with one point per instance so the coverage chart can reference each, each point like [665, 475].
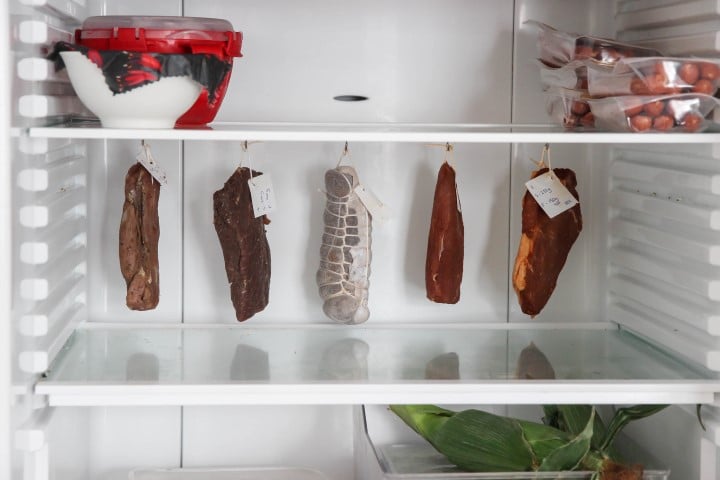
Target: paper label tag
[146, 160]
[378, 210]
[262, 194]
[550, 194]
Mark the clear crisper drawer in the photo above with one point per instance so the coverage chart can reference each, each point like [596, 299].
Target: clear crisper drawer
[389, 459]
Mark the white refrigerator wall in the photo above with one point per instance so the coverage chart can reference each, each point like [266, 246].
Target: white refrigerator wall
[459, 61]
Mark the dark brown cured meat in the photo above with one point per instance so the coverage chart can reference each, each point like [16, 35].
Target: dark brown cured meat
[244, 245]
[139, 235]
[444, 261]
[544, 246]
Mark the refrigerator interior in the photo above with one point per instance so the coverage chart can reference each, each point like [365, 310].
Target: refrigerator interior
[645, 259]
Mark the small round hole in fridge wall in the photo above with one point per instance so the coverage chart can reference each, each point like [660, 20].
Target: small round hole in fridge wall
[350, 98]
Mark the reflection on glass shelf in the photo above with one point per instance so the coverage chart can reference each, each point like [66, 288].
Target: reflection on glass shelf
[429, 360]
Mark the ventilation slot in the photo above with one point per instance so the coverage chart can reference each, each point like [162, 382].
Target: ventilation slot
[664, 249]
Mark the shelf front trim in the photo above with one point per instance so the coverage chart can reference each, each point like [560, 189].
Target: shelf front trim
[371, 132]
[488, 393]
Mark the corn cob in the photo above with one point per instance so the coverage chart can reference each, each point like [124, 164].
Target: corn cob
[482, 442]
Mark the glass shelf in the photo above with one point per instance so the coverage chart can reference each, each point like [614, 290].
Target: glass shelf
[329, 364]
[364, 132]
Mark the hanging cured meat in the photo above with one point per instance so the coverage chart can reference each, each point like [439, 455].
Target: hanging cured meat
[245, 248]
[139, 235]
[343, 276]
[444, 261]
[544, 246]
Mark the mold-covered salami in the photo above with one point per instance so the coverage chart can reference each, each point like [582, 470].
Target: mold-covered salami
[244, 245]
[139, 235]
[343, 276]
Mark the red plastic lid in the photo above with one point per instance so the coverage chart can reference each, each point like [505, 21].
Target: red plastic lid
[160, 35]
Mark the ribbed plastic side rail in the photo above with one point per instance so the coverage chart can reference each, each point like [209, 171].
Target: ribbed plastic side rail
[51, 248]
[43, 96]
[672, 27]
[664, 250]
[50, 225]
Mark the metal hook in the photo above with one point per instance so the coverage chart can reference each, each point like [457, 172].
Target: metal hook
[448, 147]
[245, 146]
[346, 149]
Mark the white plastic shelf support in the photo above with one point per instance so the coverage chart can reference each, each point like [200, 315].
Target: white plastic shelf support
[35, 69]
[39, 32]
[31, 439]
[70, 9]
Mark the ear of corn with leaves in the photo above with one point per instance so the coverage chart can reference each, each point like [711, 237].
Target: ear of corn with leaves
[575, 438]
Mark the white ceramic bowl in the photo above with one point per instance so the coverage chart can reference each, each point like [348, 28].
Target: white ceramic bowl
[155, 105]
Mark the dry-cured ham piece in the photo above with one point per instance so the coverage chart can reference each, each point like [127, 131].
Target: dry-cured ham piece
[139, 235]
[544, 246]
[244, 245]
[343, 276]
[444, 260]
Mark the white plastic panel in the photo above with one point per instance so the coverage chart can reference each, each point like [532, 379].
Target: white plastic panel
[42, 106]
[651, 13]
[691, 214]
[71, 9]
[663, 248]
[41, 32]
[122, 439]
[685, 306]
[107, 443]
[298, 56]
[39, 69]
[318, 437]
[679, 28]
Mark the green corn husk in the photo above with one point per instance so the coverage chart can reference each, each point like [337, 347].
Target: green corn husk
[482, 442]
[570, 455]
[573, 418]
